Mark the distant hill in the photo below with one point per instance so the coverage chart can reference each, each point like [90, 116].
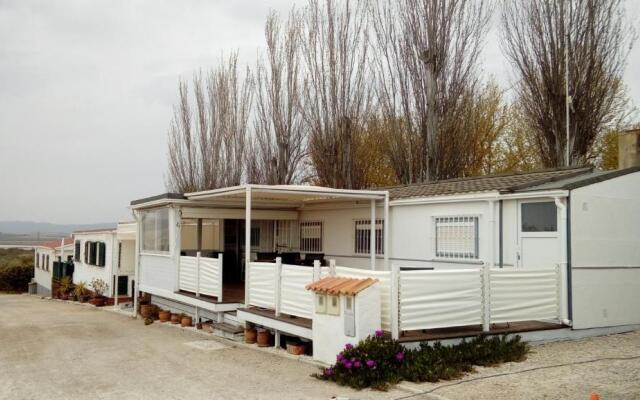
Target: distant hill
[47, 229]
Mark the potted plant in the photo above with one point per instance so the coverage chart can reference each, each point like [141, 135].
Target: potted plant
[99, 288]
[164, 315]
[81, 291]
[147, 310]
[296, 347]
[65, 287]
[250, 335]
[264, 337]
[186, 320]
[176, 318]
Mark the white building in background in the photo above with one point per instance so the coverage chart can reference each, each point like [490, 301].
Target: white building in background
[44, 257]
[565, 240]
[107, 254]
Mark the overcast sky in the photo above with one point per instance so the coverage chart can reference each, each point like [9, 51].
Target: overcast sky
[87, 90]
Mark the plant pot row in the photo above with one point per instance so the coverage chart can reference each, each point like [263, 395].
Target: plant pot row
[264, 338]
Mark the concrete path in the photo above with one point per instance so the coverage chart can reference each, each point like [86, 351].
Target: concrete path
[55, 350]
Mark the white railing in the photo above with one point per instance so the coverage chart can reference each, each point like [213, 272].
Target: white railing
[432, 299]
[524, 294]
[201, 275]
[282, 287]
[384, 278]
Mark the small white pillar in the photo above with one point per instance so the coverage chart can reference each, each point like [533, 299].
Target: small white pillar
[332, 267]
[486, 298]
[198, 274]
[386, 226]
[372, 236]
[247, 245]
[134, 290]
[278, 288]
[563, 264]
[395, 312]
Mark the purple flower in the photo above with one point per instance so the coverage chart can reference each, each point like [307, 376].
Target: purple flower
[339, 357]
[399, 356]
[348, 346]
[348, 365]
[328, 371]
[370, 363]
[379, 333]
[357, 364]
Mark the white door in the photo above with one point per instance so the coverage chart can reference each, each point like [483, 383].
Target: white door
[538, 239]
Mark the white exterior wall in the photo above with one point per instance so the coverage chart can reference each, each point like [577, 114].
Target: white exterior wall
[605, 252]
[42, 276]
[339, 233]
[84, 272]
[328, 330]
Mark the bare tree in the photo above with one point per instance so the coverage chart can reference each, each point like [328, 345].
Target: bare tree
[337, 91]
[426, 68]
[280, 135]
[598, 39]
[208, 140]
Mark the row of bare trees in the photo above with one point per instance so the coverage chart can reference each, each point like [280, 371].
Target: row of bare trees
[358, 93]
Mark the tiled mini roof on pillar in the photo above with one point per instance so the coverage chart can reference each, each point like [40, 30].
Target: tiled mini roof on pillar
[338, 285]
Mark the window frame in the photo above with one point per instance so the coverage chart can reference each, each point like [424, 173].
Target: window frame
[310, 250]
[523, 233]
[77, 250]
[367, 242]
[475, 257]
[157, 238]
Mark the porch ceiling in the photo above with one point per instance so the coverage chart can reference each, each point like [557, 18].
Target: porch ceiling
[292, 195]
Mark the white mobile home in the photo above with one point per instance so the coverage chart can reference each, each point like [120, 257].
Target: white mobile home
[44, 257]
[553, 249]
[107, 254]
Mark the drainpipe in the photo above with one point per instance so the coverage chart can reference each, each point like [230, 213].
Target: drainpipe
[564, 287]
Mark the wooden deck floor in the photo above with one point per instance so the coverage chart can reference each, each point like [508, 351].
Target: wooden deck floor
[475, 330]
[298, 321]
[231, 293]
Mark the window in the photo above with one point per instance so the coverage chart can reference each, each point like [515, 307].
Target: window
[311, 236]
[155, 231]
[363, 236]
[456, 237]
[95, 253]
[539, 217]
[76, 250]
[47, 263]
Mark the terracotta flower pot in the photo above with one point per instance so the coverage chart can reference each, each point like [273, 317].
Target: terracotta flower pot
[250, 335]
[164, 315]
[264, 338]
[297, 349]
[186, 321]
[175, 318]
[147, 310]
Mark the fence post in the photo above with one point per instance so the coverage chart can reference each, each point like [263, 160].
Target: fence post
[316, 270]
[198, 274]
[395, 302]
[220, 281]
[278, 284]
[561, 278]
[332, 267]
[486, 298]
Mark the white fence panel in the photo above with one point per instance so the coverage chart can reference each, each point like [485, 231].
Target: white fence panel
[188, 273]
[524, 294]
[262, 284]
[210, 270]
[294, 298]
[440, 298]
[384, 278]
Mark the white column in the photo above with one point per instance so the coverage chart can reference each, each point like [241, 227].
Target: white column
[562, 263]
[116, 260]
[175, 231]
[247, 245]
[198, 274]
[372, 236]
[486, 298]
[386, 227]
[491, 237]
[395, 312]
[220, 276]
[278, 288]
[135, 290]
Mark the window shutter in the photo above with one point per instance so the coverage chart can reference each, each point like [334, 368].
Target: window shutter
[86, 252]
[102, 251]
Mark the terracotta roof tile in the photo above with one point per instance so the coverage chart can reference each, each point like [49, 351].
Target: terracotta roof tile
[54, 244]
[487, 183]
[336, 285]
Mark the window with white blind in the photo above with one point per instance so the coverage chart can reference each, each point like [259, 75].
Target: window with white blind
[311, 236]
[456, 237]
[363, 236]
[155, 231]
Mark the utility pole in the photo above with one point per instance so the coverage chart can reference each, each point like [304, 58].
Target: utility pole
[568, 99]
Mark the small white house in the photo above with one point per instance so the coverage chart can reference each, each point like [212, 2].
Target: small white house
[107, 254]
[44, 257]
[543, 250]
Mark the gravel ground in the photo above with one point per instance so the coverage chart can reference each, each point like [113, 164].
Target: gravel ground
[53, 350]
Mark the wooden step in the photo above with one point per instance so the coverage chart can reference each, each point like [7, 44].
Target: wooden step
[228, 328]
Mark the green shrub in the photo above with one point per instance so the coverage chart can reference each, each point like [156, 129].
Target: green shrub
[15, 278]
[379, 361]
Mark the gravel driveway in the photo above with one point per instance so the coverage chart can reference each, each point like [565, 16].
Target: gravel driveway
[53, 350]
